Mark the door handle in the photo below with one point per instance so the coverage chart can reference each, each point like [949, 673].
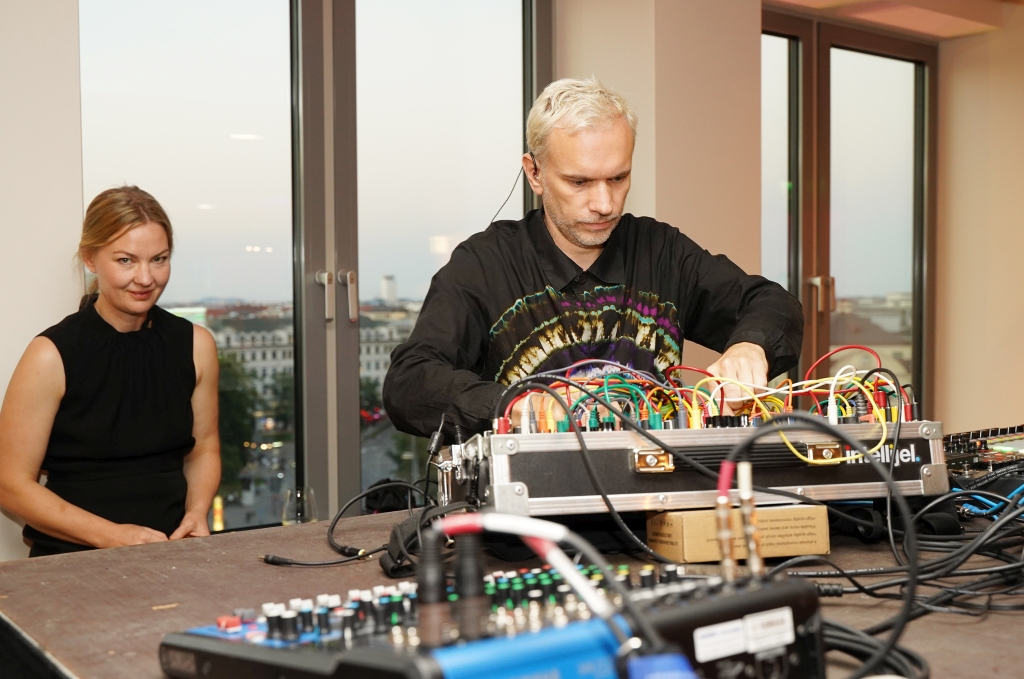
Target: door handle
[820, 284]
[348, 279]
[326, 279]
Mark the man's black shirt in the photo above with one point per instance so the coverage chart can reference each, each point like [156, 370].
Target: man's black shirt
[510, 303]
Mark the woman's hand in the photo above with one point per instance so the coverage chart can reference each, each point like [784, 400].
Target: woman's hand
[130, 534]
[192, 526]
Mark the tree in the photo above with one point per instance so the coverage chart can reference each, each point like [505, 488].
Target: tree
[369, 393]
[238, 400]
[281, 404]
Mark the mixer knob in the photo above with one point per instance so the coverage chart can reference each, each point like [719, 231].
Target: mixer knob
[306, 616]
[323, 620]
[273, 615]
[670, 573]
[290, 626]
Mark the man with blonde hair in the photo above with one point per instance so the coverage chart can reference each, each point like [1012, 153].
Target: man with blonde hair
[579, 279]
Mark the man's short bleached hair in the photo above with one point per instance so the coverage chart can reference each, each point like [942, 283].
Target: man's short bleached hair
[573, 104]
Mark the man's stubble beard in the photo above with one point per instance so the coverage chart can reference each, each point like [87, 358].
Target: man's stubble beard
[573, 231]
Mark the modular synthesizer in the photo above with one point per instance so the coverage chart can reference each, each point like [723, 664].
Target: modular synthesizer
[544, 474]
[558, 439]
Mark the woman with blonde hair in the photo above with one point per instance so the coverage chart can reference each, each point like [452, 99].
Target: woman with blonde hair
[117, 402]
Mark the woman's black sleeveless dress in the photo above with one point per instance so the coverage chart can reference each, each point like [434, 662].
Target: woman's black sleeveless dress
[125, 422]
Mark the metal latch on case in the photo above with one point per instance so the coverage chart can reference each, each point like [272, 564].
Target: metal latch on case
[653, 461]
[825, 453]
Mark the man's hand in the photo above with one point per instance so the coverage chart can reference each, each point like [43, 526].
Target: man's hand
[192, 526]
[744, 362]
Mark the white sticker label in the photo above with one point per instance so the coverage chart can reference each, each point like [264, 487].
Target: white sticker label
[718, 641]
[768, 629]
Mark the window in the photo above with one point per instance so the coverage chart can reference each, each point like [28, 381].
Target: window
[438, 51]
[776, 182]
[191, 101]
[861, 123]
[871, 219]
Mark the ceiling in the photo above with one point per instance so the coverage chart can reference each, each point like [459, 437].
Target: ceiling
[932, 19]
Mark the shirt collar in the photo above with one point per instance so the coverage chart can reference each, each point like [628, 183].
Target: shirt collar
[559, 270]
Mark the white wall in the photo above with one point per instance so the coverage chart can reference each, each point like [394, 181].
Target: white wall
[980, 231]
[693, 72]
[613, 41]
[40, 182]
[708, 79]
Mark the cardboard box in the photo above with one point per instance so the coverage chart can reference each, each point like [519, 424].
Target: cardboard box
[787, 530]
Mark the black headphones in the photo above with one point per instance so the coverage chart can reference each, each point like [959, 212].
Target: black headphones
[534, 159]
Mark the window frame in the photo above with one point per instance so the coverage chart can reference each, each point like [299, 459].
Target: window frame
[327, 352]
[815, 39]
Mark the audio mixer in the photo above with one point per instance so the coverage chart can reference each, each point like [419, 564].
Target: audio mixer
[569, 622]
[534, 623]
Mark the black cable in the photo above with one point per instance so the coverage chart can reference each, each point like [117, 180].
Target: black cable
[853, 642]
[697, 466]
[351, 553]
[644, 628]
[530, 382]
[895, 451]
[428, 514]
[282, 561]
[596, 482]
[514, 185]
[946, 566]
[900, 620]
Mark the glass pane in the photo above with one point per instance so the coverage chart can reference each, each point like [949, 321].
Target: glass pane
[190, 101]
[872, 208]
[775, 141]
[440, 135]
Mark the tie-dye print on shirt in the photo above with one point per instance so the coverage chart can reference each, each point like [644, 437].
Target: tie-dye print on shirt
[510, 304]
[552, 329]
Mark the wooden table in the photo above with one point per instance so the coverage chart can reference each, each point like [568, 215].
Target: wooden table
[102, 614]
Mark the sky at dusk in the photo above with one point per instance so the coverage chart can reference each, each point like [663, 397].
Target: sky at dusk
[872, 171]
[190, 100]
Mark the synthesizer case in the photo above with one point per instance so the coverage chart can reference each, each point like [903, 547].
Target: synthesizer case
[544, 474]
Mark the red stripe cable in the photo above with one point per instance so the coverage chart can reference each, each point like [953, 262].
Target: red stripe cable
[517, 399]
[725, 473]
[859, 347]
[456, 524]
[686, 367]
